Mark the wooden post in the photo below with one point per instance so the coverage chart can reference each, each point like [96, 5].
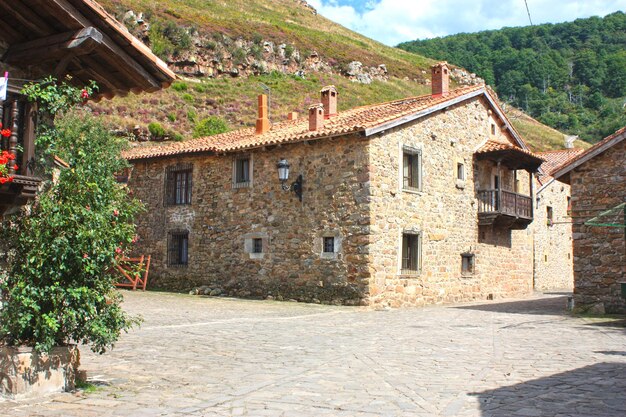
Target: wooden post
[30, 115]
[532, 197]
[499, 190]
[13, 137]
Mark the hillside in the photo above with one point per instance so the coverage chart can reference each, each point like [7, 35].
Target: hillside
[570, 76]
[284, 45]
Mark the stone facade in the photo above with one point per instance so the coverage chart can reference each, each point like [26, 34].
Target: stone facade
[599, 252]
[221, 218]
[352, 192]
[444, 213]
[553, 238]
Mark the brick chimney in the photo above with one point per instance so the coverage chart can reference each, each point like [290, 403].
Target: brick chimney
[262, 122]
[440, 79]
[316, 117]
[329, 100]
[292, 115]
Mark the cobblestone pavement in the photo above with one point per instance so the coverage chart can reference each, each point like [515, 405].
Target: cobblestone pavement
[197, 356]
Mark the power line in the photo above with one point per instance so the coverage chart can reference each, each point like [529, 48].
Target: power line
[528, 11]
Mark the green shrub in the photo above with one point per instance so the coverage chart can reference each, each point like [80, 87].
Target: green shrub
[179, 86]
[60, 286]
[212, 125]
[192, 115]
[187, 97]
[156, 129]
[171, 117]
[289, 49]
[239, 56]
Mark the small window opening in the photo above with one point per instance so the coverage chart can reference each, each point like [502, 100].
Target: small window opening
[493, 129]
[242, 172]
[569, 205]
[411, 253]
[329, 244]
[460, 171]
[411, 170]
[467, 263]
[257, 245]
[550, 215]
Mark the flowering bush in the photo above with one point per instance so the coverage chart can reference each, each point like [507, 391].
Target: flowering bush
[60, 284]
[5, 157]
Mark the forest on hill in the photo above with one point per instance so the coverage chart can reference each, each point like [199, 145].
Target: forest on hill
[570, 76]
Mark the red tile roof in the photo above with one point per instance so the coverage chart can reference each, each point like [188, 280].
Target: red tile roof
[355, 120]
[494, 145]
[554, 159]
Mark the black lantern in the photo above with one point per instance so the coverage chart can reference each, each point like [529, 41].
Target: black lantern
[283, 176]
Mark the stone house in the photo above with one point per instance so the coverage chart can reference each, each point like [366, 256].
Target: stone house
[598, 185]
[552, 226]
[414, 201]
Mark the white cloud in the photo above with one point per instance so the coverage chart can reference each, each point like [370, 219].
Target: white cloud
[395, 21]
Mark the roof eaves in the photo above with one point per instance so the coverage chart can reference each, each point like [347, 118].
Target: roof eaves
[421, 113]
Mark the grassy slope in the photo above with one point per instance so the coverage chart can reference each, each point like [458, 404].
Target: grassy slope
[234, 99]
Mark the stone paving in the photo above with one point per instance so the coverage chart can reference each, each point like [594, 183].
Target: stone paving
[199, 356]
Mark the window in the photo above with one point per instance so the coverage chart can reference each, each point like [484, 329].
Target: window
[550, 216]
[178, 185]
[493, 129]
[569, 205]
[242, 174]
[412, 169]
[257, 245]
[329, 244]
[411, 253]
[460, 171]
[467, 263]
[178, 248]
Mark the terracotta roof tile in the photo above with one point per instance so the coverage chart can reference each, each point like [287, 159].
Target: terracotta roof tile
[350, 121]
[495, 145]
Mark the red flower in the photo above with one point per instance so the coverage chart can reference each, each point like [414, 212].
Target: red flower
[11, 156]
[84, 94]
[85, 256]
[3, 180]
[15, 167]
[116, 213]
[118, 250]
[5, 132]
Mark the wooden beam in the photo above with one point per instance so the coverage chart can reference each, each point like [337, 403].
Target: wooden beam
[54, 47]
[116, 56]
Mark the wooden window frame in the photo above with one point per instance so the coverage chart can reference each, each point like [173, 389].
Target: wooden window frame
[460, 171]
[411, 169]
[411, 253]
[242, 177]
[178, 248]
[549, 216]
[178, 185]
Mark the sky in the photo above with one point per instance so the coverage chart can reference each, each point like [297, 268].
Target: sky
[420, 19]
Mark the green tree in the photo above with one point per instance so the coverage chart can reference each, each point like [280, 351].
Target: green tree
[59, 286]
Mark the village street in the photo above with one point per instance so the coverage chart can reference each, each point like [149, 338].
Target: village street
[200, 356]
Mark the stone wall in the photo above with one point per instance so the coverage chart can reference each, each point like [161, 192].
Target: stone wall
[553, 241]
[445, 213]
[221, 218]
[599, 252]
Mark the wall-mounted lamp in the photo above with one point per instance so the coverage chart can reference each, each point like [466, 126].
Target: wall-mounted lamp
[283, 176]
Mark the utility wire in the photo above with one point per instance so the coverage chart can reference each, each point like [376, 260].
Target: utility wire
[528, 11]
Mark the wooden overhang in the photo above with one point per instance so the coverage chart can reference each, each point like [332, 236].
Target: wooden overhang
[78, 38]
[512, 157]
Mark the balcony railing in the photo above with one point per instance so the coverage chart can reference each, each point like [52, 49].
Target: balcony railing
[506, 203]
[16, 114]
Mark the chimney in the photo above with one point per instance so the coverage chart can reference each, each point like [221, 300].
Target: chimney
[316, 117]
[292, 115]
[440, 79]
[329, 100]
[262, 122]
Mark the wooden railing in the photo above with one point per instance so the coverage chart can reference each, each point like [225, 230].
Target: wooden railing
[505, 202]
[16, 114]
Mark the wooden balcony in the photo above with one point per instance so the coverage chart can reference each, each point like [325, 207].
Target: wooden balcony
[18, 115]
[504, 209]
